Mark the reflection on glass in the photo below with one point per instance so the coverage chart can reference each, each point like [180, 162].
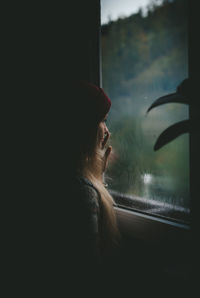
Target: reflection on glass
[143, 58]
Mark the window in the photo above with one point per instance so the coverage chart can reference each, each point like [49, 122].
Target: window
[144, 56]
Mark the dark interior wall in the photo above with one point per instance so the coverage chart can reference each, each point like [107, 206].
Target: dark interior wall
[75, 43]
[51, 44]
[47, 45]
[66, 36]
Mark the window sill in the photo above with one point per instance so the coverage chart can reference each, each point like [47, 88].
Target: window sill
[156, 209]
[150, 228]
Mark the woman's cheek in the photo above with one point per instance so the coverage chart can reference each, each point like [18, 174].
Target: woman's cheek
[101, 132]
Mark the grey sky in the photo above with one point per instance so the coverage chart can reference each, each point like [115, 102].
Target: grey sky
[112, 9]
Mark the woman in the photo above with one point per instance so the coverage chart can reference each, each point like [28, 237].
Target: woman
[74, 225]
[95, 229]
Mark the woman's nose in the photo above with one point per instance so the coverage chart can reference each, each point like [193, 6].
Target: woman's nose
[106, 130]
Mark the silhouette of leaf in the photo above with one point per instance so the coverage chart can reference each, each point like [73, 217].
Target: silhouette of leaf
[172, 133]
[172, 97]
[180, 96]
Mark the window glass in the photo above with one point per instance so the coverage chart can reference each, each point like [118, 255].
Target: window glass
[144, 55]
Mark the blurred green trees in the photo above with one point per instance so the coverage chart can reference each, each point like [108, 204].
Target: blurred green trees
[144, 58]
[135, 44]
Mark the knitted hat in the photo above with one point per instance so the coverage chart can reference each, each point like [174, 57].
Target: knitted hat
[90, 101]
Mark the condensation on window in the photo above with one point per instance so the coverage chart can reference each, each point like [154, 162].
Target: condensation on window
[144, 57]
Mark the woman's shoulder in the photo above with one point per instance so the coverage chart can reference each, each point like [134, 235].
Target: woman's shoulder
[86, 191]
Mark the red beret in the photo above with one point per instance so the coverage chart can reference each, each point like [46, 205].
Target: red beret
[91, 100]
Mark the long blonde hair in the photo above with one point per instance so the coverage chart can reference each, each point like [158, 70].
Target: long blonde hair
[93, 104]
[109, 232]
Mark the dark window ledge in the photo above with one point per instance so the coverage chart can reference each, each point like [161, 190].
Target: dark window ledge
[152, 207]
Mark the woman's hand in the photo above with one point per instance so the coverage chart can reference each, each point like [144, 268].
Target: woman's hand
[103, 149]
[106, 151]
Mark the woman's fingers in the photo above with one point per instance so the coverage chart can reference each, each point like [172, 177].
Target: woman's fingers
[105, 140]
[108, 151]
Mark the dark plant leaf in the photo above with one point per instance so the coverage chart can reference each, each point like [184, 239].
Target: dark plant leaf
[172, 97]
[172, 133]
[180, 96]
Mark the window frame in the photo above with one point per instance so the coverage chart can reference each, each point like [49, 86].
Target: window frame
[148, 227]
